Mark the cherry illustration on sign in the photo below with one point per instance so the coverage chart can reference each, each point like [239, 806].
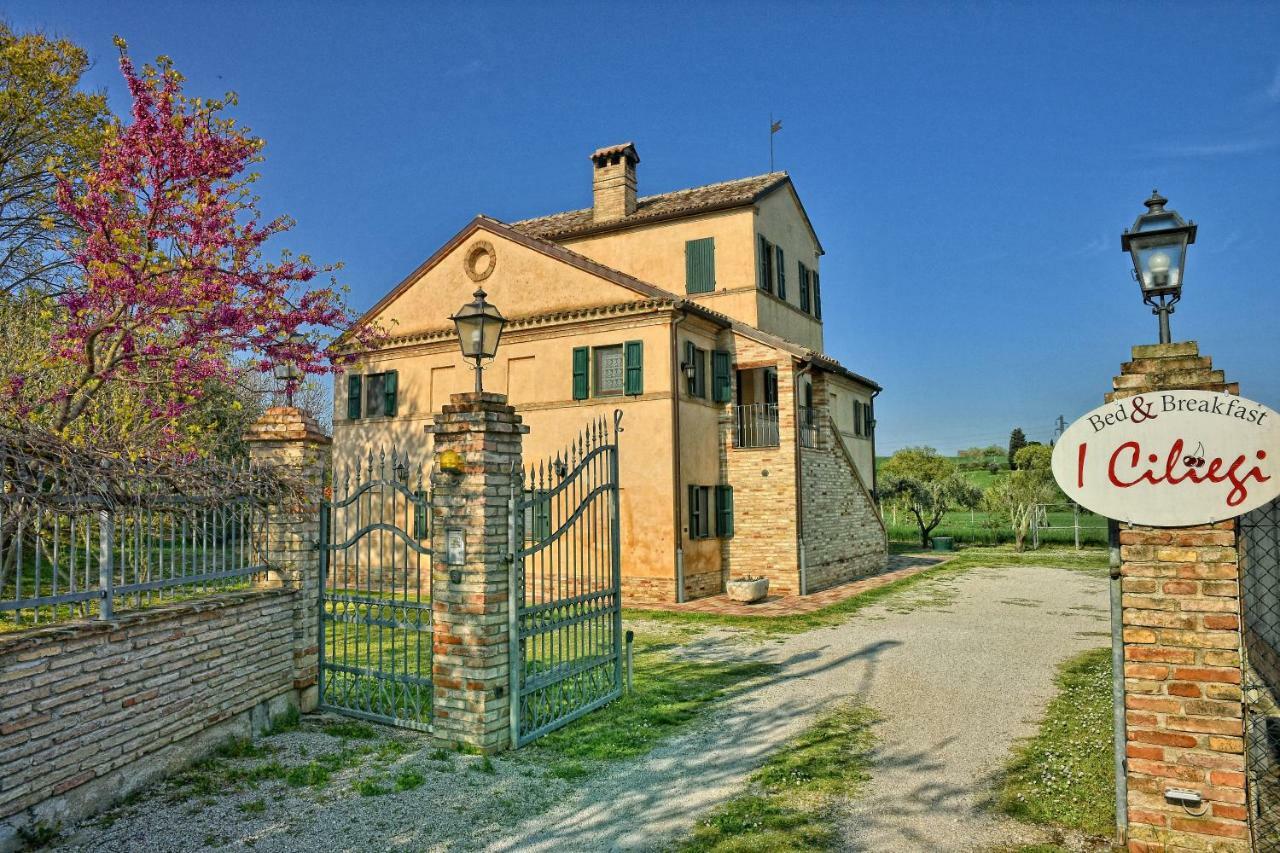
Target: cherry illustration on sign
[1171, 458]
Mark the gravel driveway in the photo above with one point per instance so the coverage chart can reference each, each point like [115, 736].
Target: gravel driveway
[958, 666]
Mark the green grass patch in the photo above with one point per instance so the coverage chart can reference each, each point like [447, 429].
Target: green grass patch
[257, 806]
[668, 693]
[371, 788]
[1064, 775]
[350, 729]
[409, 778]
[310, 775]
[790, 802]
[1092, 560]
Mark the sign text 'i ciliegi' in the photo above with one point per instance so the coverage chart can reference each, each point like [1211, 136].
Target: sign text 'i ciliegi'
[1171, 458]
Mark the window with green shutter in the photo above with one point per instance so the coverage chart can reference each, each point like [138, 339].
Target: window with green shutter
[699, 372]
[781, 266]
[857, 417]
[721, 384]
[869, 420]
[354, 395]
[724, 512]
[817, 295]
[765, 274]
[634, 359]
[804, 289]
[581, 373]
[700, 265]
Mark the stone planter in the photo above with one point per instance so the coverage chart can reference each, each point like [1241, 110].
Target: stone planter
[748, 591]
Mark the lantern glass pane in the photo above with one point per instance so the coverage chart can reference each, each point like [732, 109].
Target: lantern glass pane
[490, 331]
[1159, 261]
[469, 335]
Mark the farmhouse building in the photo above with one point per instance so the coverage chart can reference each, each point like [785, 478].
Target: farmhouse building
[746, 449]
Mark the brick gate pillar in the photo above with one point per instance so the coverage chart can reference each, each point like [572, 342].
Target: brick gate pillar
[1184, 709]
[288, 439]
[477, 448]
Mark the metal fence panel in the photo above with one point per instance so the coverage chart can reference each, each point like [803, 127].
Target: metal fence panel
[1260, 593]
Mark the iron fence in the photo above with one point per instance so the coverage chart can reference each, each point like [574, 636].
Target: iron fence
[1260, 605]
[755, 425]
[808, 426]
[70, 553]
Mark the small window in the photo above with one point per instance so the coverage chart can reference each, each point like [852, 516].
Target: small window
[857, 417]
[781, 268]
[868, 422]
[803, 284]
[380, 394]
[610, 371]
[695, 378]
[699, 512]
[724, 512]
[765, 274]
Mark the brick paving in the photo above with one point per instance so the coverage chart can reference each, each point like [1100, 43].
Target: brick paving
[899, 566]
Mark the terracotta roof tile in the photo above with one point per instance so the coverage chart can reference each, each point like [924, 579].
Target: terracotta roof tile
[650, 208]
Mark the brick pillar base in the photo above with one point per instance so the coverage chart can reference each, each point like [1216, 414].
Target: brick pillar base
[288, 439]
[1184, 712]
[479, 436]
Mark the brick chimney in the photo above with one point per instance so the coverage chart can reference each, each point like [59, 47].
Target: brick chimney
[613, 182]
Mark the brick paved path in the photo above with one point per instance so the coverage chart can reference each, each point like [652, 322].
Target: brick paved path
[899, 566]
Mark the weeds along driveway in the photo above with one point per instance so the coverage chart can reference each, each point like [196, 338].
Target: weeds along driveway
[957, 666]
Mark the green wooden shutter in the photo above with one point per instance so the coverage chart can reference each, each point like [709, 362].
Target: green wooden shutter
[721, 386]
[782, 274]
[817, 295]
[869, 420]
[355, 390]
[633, 358]
[693, 512]
[700, 265]
[804, 292]
[390, 385]
[762, 262]
[724, 512]
[857, 417]
[581, 373]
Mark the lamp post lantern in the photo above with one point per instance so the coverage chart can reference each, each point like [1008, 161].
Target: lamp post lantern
[1157, 243]
[288, 373]
[479, 326]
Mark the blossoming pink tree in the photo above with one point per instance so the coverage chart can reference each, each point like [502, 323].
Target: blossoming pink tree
[175, 289]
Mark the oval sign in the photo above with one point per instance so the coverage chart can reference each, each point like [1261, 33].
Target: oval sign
[1171, 458]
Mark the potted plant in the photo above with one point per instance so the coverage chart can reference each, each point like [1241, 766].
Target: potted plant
[747, 589]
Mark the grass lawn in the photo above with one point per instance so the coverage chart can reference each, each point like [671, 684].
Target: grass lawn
[1064, 775]
[790, 802]
[667, 694]
[1094, 560]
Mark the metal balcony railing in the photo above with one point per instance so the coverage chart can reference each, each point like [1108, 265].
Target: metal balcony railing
[808, 426]
[756, 425]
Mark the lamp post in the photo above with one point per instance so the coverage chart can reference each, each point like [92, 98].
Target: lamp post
[1158, 242]
[479, 326]
[289, 373]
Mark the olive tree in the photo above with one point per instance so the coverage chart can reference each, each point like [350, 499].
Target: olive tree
[926, 485]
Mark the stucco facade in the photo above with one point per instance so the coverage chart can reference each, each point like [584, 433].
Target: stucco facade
[711, 466]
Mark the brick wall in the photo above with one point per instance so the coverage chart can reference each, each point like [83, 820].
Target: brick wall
[92, 711]
[1184, 712]
[844, 536]
[765, 533]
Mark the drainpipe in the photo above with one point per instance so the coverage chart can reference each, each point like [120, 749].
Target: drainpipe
[1117, 684]
[676, 474]
[804, 370]
[875, 493]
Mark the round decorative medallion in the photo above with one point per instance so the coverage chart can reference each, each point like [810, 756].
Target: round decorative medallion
[480, 261]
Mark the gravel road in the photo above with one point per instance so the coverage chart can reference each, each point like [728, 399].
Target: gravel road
[958, 667]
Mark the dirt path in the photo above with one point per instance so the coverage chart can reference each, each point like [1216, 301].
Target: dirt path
[959, 667]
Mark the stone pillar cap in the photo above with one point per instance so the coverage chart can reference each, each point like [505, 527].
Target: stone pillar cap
[286, 423]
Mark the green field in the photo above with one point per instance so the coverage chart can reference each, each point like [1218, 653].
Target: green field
[980, 528]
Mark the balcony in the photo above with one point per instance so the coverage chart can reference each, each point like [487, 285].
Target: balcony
[756, 425]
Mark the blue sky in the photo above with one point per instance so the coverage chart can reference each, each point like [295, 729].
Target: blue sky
[968, 167]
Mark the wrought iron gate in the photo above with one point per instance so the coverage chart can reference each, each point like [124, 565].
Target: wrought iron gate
[1260, 590]
[566, 602]
[375, 595]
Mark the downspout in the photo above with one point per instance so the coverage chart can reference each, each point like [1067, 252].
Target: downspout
[676, 473]
[805, 370]
[1120, 747]
[875, 492]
